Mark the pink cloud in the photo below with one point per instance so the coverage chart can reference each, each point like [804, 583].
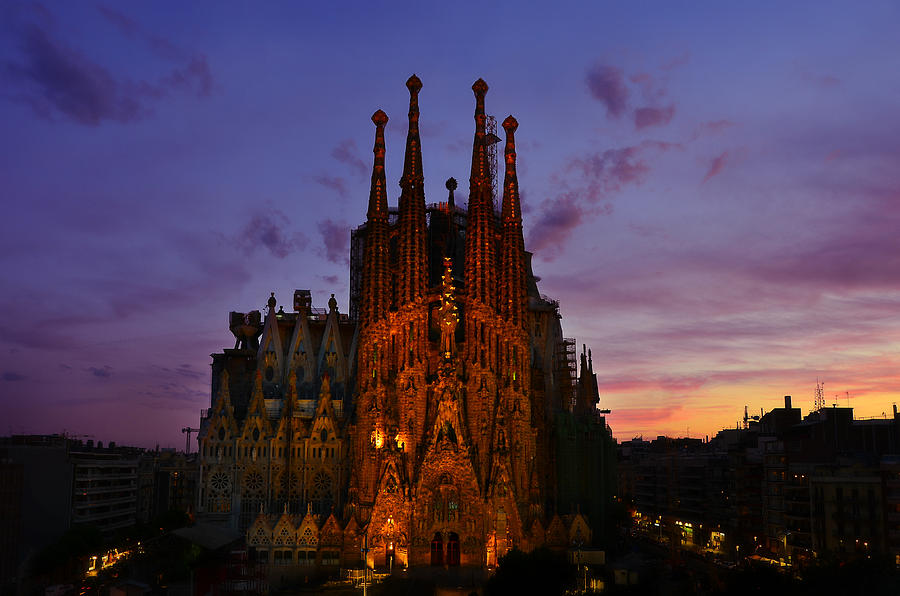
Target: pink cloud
[335, 240]
[607, 85]
[591, 180]
[272, 231]
[556, 220]
[347, 153]
[55, 79]
[715, 167]
[648, 116]
[336, 183]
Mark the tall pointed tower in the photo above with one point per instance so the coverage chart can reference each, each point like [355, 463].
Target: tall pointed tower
[413, 260]
[481, 266]
[512, 244]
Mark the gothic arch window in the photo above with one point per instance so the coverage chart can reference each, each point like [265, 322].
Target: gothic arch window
[256, 434]
[221, 433]
[219, 494]
[252, 498]
[321, 494]
[289, 485]
[445, 506]
[323, 436]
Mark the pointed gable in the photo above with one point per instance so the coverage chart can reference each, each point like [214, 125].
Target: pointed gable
[257, 419]
[332, 357]
[557, 536]
[270, 353]
[536, 535]
[308, 532]
[259, 533]
[222, 424]
[579, 530]
[301, 351]
[325, 407]
[284, 533]
[331, 533]
[350, 552]
[324, 430]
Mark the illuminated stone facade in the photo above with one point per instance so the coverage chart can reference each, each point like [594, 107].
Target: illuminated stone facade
[422, 424]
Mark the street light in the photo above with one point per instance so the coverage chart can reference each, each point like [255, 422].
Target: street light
[365, 552]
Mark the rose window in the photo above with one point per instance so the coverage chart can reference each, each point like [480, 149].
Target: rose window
[253, 481]
[322, 484]
[220, 482]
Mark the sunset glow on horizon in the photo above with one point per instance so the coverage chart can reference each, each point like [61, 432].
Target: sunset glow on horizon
[713, 196]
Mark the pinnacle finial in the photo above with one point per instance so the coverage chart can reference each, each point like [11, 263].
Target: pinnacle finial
[380, 118]
[414, 84]
[480, 88]
[510, 124]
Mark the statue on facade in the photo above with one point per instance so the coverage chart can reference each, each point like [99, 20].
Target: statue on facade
[447, 314]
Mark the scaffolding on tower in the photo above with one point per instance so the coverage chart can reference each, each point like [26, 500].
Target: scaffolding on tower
[491, 139]
[567, 372]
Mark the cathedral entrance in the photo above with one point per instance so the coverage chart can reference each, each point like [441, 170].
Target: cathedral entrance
[453, 550]
[437, 550]
[389, 556]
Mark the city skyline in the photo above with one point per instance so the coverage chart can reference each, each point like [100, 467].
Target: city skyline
[709, 196]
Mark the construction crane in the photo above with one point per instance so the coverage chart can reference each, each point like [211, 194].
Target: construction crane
[187, 441]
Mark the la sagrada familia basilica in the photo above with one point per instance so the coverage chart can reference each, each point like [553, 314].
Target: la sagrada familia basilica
[443, 420]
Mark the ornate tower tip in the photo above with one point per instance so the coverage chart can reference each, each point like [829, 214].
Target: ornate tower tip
[510, 124]
[380, 118]
[413, 83]
[480, 87]
[451, 184]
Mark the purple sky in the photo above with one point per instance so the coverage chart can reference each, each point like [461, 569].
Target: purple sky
[713, 195]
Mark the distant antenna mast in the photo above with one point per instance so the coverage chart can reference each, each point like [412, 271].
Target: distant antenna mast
[820, 396]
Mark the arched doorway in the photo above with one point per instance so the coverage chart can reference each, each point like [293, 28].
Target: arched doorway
[389, 555]
[437, 550]
[453, 550]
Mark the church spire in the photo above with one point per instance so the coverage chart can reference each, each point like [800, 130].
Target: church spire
[376, 288]
[512, 259]
[480, 173]
[378, 208]
[481, 281]
[413, 257]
